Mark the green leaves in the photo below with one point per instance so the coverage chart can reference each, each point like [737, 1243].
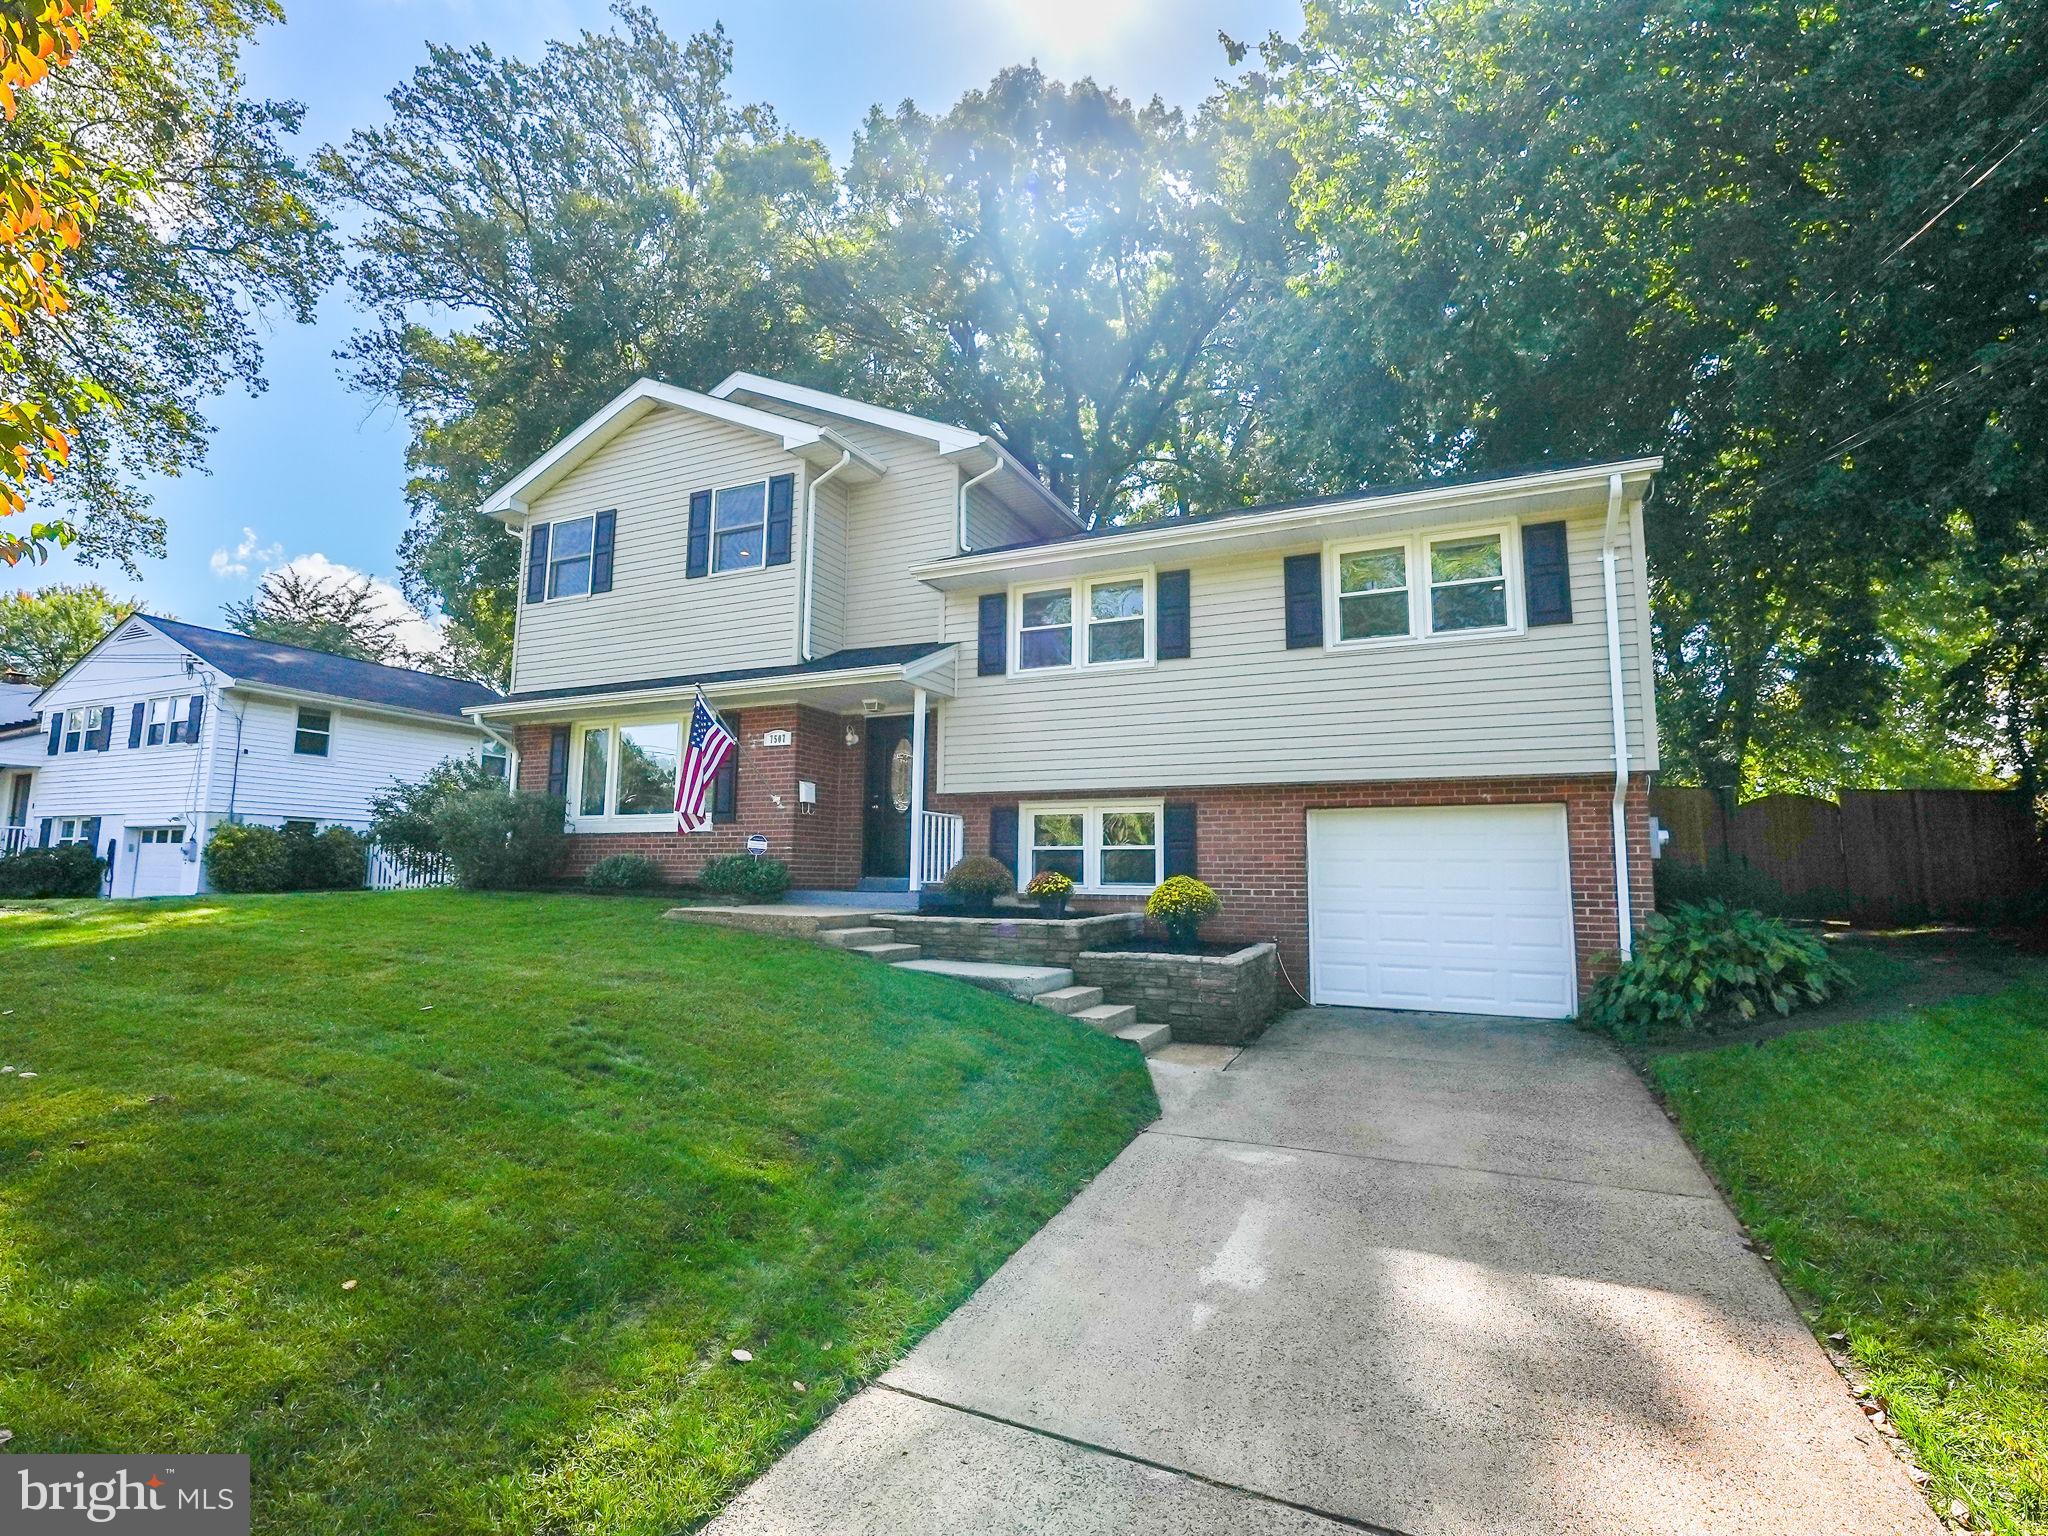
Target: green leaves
[1702, 966]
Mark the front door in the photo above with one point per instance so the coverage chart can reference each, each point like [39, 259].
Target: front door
[885, 827]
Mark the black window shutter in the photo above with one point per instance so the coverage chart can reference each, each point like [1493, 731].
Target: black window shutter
[725, 786]
[1002, 835]
[56, 732]
[1304, 601]
[1173, 637]
[558, 761]
[781, 510]
[1180, 839]
[135, 715]
[45, 842]
[993, 637]
[103, 738]
[700, 535]
[92, 833]
[537, 563]
[603, 533]
[1546, 574]
[194, 714]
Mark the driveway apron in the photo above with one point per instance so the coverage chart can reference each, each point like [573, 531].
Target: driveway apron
[1393, 1272]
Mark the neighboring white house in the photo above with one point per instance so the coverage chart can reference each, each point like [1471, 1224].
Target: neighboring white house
[165, 730]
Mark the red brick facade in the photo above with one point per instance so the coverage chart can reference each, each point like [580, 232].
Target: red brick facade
[820, 843]
[1252, 842]
[1252, 847]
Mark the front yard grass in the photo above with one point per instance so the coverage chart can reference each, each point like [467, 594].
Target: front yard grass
[450, 1210]
[1898, 1169]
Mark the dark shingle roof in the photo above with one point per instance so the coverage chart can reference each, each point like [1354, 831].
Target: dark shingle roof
[268, 662]
[838, 661]
[17, 705]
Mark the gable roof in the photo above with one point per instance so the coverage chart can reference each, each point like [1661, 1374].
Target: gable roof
[271, 664]
[816, 444]
[18, 705]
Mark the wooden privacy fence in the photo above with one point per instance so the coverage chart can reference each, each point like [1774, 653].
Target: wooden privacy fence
[1882, 855]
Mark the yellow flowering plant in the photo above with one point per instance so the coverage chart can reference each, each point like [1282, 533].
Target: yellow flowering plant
[1181, 905]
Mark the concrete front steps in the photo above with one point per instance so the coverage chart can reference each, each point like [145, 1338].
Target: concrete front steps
[1048, 986]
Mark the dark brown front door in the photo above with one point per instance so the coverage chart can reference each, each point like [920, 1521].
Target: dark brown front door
[885, 827]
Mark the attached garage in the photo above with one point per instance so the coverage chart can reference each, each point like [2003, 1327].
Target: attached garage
[160, 867]
[1448, 909]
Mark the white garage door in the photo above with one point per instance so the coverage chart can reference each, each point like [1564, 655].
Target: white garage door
[1452, 909]
[160, 862]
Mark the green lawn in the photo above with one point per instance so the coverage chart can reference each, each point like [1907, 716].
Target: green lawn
[450, 1210]
[1898, 1168]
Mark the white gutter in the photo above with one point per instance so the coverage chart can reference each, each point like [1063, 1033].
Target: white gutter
[811, 547]
[1622, 911]
[964, 489]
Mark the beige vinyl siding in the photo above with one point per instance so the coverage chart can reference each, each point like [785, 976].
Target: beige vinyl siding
[828, 587]
[893, 523]
[655, 622]
[991, 525]
[1246, 710]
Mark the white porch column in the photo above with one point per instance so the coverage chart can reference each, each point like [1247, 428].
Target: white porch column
[917, 706]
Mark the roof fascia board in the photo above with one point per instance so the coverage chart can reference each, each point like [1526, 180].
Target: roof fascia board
[220, 673]
[947, 439]
[791, 684]
[1474, 495]
[627, 407]
[357, 706]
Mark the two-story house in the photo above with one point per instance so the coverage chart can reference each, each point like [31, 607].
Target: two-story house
[1406, 733]
[164, 730]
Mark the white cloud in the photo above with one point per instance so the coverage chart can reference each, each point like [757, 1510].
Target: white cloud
[416, 632]
[251, 551]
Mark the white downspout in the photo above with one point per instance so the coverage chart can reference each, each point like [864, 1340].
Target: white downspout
[964, 489]
[1623, 913]
[811, 546]
[917, 708]
[511, 751]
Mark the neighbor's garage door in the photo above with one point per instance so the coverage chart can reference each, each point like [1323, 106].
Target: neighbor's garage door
[1454, 909]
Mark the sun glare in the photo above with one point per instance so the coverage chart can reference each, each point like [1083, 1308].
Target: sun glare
[1067, 34]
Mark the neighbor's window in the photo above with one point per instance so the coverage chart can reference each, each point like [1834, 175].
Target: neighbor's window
[739, 527]
[1468, 586]
[314, 731]
[494, 760]
[1058, 842]
[1116, 620]
[1130, 848]
[1045, 628]
[647, 770]
[569, 557]
[161, 714]
[71, 829]
[597, 755]
[81, 725]
[1372, 594]
[307, 827]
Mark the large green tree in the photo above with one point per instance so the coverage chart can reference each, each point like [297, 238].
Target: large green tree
[212, 227]
[605, 212]
[1798, 250]
[43, 633]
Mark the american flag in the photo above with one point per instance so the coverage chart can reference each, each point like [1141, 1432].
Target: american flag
[711, 743]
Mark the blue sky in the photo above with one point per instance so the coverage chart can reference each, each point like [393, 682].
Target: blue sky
[309, 471]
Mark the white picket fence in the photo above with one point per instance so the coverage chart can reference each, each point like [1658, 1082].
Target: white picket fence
[392, 869]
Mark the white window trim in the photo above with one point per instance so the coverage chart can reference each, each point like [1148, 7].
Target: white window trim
[1091, 813]
[1417, 545]
[59, 838]
[85, 729]
[610, 820]
[299, 715]
[548, 582]
[1077, 594]
[711, 569]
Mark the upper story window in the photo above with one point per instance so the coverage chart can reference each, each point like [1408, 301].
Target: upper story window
[169, 721]
[1468, 586]
[84, 728]
[1114, 614]
[739, 527]
[315, 730]
[569, 545]
[1422, 586]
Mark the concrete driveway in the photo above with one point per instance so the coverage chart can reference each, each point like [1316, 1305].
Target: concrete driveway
[1390, 1272]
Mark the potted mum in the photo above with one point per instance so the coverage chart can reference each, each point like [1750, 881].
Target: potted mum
[977, 880]
[1050, 889]
[1181, 905]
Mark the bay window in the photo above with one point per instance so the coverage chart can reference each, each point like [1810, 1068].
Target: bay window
[1109, 846]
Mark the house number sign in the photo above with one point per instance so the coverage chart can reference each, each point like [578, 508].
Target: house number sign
[775, 738]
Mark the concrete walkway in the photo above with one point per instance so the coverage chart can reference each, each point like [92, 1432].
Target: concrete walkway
[1395, 1273]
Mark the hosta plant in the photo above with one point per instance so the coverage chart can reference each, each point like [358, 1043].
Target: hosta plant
[1708, 966]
